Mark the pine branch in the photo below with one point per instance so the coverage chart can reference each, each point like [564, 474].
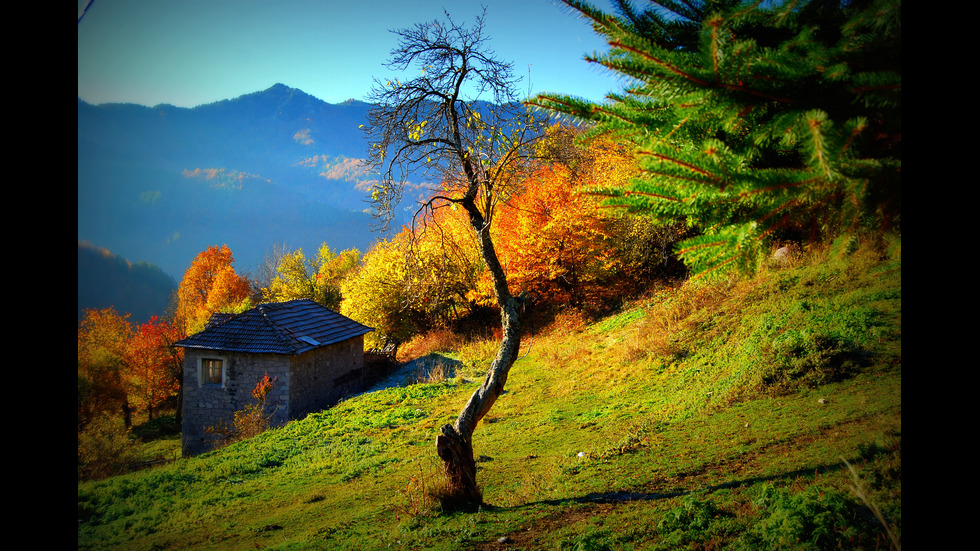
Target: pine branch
[684, 164]
[666, 65]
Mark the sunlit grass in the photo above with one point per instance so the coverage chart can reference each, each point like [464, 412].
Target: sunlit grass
[615, 435]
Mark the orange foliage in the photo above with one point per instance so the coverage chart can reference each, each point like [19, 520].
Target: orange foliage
[102, 338]
[210, 285]
[553, 240]
[153, 367]
[263, 387]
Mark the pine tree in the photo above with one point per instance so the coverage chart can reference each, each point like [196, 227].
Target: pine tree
[754, 121]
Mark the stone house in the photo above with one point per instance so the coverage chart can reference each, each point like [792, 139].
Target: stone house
[315, 355]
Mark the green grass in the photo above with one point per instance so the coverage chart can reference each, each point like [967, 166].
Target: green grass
[705, 417]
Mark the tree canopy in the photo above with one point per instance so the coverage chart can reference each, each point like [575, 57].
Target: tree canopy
[154, 367]
[318, 278]
[210, 285]
[753, 121]
[102, 340]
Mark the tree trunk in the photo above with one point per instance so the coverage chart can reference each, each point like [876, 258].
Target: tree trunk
[127, 414]
[180, 403]
[455, 443]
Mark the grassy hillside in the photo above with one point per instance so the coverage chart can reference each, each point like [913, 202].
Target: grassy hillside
[702, 417]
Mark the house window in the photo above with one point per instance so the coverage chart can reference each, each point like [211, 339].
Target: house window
[212, 371]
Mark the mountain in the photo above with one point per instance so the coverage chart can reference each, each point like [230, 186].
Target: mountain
[162, 183]
[106, 279]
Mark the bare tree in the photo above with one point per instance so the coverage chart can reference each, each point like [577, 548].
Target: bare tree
[456, 122]
[269, 268]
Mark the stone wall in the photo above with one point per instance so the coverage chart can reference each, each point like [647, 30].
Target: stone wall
[320, 379]
[304, 384]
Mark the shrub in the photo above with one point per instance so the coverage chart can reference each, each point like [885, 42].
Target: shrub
[815, 518]
[437, 340]
[809, 358]
[249, 421]
[104, 448]
[695, 521]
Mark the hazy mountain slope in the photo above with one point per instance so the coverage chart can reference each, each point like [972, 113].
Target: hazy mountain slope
[106, 279]
[278, 166]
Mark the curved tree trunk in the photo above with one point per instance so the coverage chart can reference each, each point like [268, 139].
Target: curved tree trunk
[455, 443]
[484, 153]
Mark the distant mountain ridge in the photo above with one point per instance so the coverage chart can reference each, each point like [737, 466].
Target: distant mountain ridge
[107, 280]
[163, 183]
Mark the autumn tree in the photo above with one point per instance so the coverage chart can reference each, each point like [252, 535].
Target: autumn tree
[153, 366]
[414, 281]
[435, 126]
[318, 278]
[102, 339]
[375, 295]
[210, 285]
[554, 240]
[443, 262]
[557, 244]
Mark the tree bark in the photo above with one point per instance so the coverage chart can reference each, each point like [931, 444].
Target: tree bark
[180, 403]
[127, 413]
[455, 443]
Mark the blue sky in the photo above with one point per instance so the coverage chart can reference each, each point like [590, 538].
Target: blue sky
[190, 52]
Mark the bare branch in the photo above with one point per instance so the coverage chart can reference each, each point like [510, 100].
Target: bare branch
[456, 122]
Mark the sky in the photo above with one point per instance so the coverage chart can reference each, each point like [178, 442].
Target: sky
[192, 52]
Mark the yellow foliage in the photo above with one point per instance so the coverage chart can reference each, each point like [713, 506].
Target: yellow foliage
[374, 295]
[318, 278]
[414, 280]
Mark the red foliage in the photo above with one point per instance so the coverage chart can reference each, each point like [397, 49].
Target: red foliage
[262, 388]
[153, 366]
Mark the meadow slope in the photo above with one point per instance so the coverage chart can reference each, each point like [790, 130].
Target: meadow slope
[742, 414]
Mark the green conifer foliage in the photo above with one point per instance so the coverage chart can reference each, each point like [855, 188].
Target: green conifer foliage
[754, 121]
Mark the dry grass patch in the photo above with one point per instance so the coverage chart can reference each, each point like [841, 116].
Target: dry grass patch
[437, 340]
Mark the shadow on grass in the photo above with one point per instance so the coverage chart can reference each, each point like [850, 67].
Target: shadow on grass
[625, 496]
[433, 367]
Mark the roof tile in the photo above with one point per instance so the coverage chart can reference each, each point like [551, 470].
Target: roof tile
[291, 327]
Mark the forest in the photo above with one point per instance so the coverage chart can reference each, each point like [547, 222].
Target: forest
[743, 130]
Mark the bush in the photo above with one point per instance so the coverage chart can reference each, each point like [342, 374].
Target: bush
[811, 359]
[252, 420]
[695, 521]
[815, 518]
[437, 340]
[104, 448]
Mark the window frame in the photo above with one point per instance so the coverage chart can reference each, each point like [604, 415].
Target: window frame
[203, 365]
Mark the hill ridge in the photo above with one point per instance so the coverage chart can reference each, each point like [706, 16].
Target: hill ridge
[134, 197]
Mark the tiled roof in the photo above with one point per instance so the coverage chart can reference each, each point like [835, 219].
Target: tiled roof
[276, 328]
